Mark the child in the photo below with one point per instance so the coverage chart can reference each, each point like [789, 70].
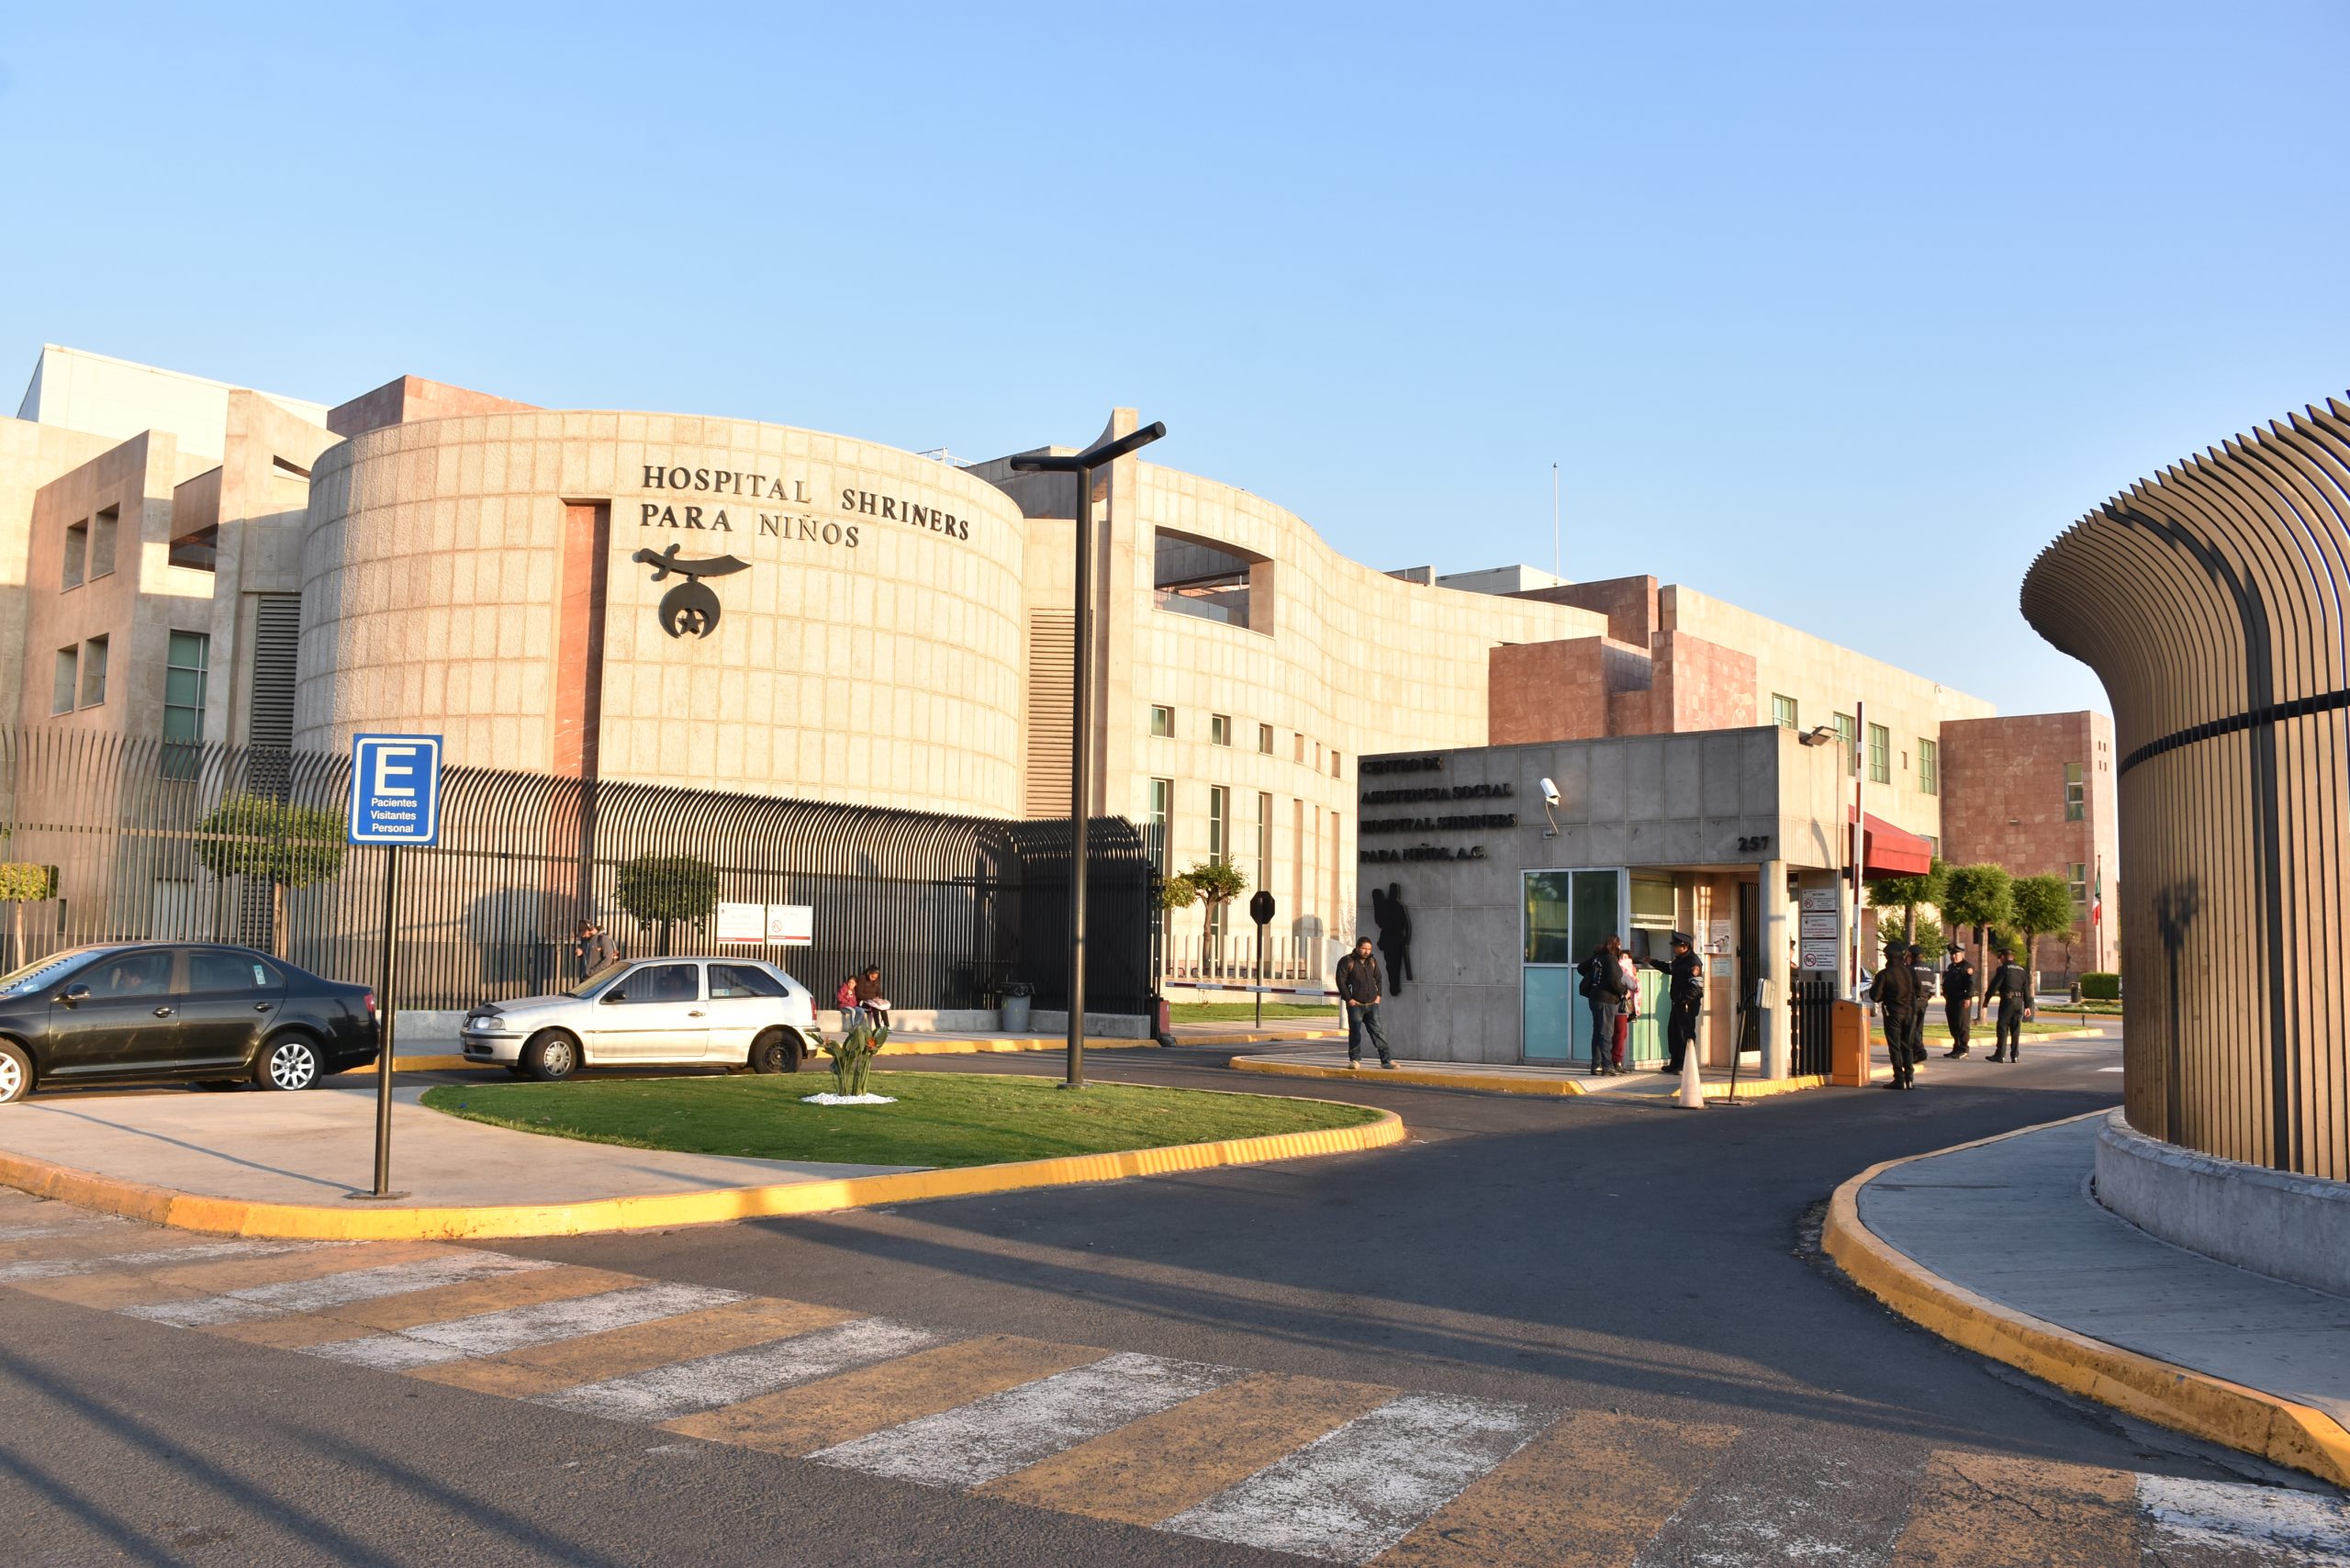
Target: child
[846, 999]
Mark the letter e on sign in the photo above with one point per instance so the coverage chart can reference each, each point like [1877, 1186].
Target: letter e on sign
[395, 789]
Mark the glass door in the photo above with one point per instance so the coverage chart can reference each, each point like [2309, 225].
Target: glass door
[1567, 914]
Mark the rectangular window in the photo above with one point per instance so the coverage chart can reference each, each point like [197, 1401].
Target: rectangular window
[1219, 813]
[2078, 886]
[1162, 807]
[187, 667]
[1317, 756]
[1297, 858]
[60, 692]
[1219, 729]
[1880, 754]
[1341, 918]
[102, 531]
[2076, 793]
[1848, 734]
[1930, 766]
[1264, 840]
[77, 553]
[1265, 739]
[198, 550]
[1333, 765]
[93, 672]
[1783, 712]
[1162, 721]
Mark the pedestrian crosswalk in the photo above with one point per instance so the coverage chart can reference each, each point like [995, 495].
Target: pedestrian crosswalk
[1326, 1470]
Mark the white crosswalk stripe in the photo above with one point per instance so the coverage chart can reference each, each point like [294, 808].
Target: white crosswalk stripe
[2292, 1529]
[1351, 1493]
[511, 1328]
[682, 1388]
[1003, 1432]
[331, 1290]
[159, 1258]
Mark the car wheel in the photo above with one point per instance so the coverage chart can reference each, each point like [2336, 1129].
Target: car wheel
[551, 1055]
[220, 1085]
[288, 1062]
[16, 1072]
[778, 1050]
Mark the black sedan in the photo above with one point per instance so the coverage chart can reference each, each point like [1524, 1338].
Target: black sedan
[197, 1012]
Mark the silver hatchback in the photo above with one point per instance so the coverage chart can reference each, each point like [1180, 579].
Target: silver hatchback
[652, 1012]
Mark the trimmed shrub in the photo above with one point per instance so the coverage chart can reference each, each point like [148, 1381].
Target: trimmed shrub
[2101, 985]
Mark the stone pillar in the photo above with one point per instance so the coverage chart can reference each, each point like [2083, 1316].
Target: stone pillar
[1775, 1021]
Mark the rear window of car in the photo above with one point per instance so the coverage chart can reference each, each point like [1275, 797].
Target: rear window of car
[743, 980]
[212, 973]
[663, 982]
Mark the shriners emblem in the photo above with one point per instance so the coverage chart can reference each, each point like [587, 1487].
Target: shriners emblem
[689, 607]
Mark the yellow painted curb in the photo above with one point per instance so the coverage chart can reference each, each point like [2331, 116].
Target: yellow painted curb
[237, 1216]
[2178, 1397]
[1764, 1088]
[1426, 1078]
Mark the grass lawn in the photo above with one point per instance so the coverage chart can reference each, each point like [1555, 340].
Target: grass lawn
[941, 1118]
[1986, 1030]
[1243, 1012]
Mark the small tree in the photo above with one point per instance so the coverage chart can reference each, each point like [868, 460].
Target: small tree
[666, 890]
[1978, 896]
[2042, 906]
[21, 884]
[1905, 893]
[291, 845]
[1928, 938]
[1211, 882]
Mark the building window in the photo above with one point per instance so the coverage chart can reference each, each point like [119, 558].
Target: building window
[1300, 746]
[1265, 739]
[197, 550]
[102, 531]
[2076, 793]
[93, 672]
[1848, 735]
[187, 666]
[1219, 729]
[1219, 813]
[1162, 807]
[2077, 884]
[77, 553]
[1783, 711]
[1930, 766]
[1162, 721]
[1880, 754]
[60, 692]
[1264, 840]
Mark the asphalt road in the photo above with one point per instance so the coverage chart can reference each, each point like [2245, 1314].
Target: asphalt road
[1602, 1259]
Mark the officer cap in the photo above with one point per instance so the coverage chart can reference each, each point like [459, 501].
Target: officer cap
[1681, 940]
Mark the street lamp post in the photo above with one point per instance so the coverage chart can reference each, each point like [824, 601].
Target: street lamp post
[1082, 466]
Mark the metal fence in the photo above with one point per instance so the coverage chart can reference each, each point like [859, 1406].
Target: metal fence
[1815, 1024]
[130, 839]
[1232, 959]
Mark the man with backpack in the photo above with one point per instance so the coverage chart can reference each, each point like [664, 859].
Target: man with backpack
[1602, 986]
[2011, 989]
[1358, 981]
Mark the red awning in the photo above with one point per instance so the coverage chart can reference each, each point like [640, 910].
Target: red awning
[1889, 851]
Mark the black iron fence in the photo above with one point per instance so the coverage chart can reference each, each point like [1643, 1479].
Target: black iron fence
[1815, 1023]
[109, 838]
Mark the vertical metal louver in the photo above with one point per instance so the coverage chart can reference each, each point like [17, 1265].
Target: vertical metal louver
[277, 631]
[1052, 687]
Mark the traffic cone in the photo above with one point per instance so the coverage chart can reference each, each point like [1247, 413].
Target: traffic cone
[1692, 1088]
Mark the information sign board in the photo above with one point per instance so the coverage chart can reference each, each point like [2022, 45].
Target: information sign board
[395, 789]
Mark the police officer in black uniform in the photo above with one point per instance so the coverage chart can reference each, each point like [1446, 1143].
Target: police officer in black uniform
[1688, 992]
[1958, 1001]
[1895, 992]
[2011, 989]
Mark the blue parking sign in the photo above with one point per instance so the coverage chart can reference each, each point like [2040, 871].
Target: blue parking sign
[395, 789]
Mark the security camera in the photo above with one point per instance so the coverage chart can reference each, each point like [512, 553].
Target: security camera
[1550, 798]
[1549, 793]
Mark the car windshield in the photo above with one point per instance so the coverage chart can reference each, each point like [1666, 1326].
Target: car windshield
[598, 981]
[42, 972]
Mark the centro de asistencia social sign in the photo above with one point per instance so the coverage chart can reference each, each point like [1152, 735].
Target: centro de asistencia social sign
[395, 789]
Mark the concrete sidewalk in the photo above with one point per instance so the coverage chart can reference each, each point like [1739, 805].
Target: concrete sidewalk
[2011, 1223]
[314, 1148]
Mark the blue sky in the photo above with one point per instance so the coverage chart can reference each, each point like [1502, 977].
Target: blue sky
[1840, 312]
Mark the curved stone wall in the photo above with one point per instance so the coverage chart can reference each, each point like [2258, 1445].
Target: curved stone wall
[2214, 601]
[867, 648]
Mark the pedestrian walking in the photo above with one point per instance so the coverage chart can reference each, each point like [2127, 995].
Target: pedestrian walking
[1601, 988]
[1895, 993]
[2011, 989]
[1629, 1010]
[592, 950]
[1357, 979]
[1687, 995]
[1958, 1002]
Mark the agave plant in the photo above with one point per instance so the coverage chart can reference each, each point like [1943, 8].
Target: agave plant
[853, 1055]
